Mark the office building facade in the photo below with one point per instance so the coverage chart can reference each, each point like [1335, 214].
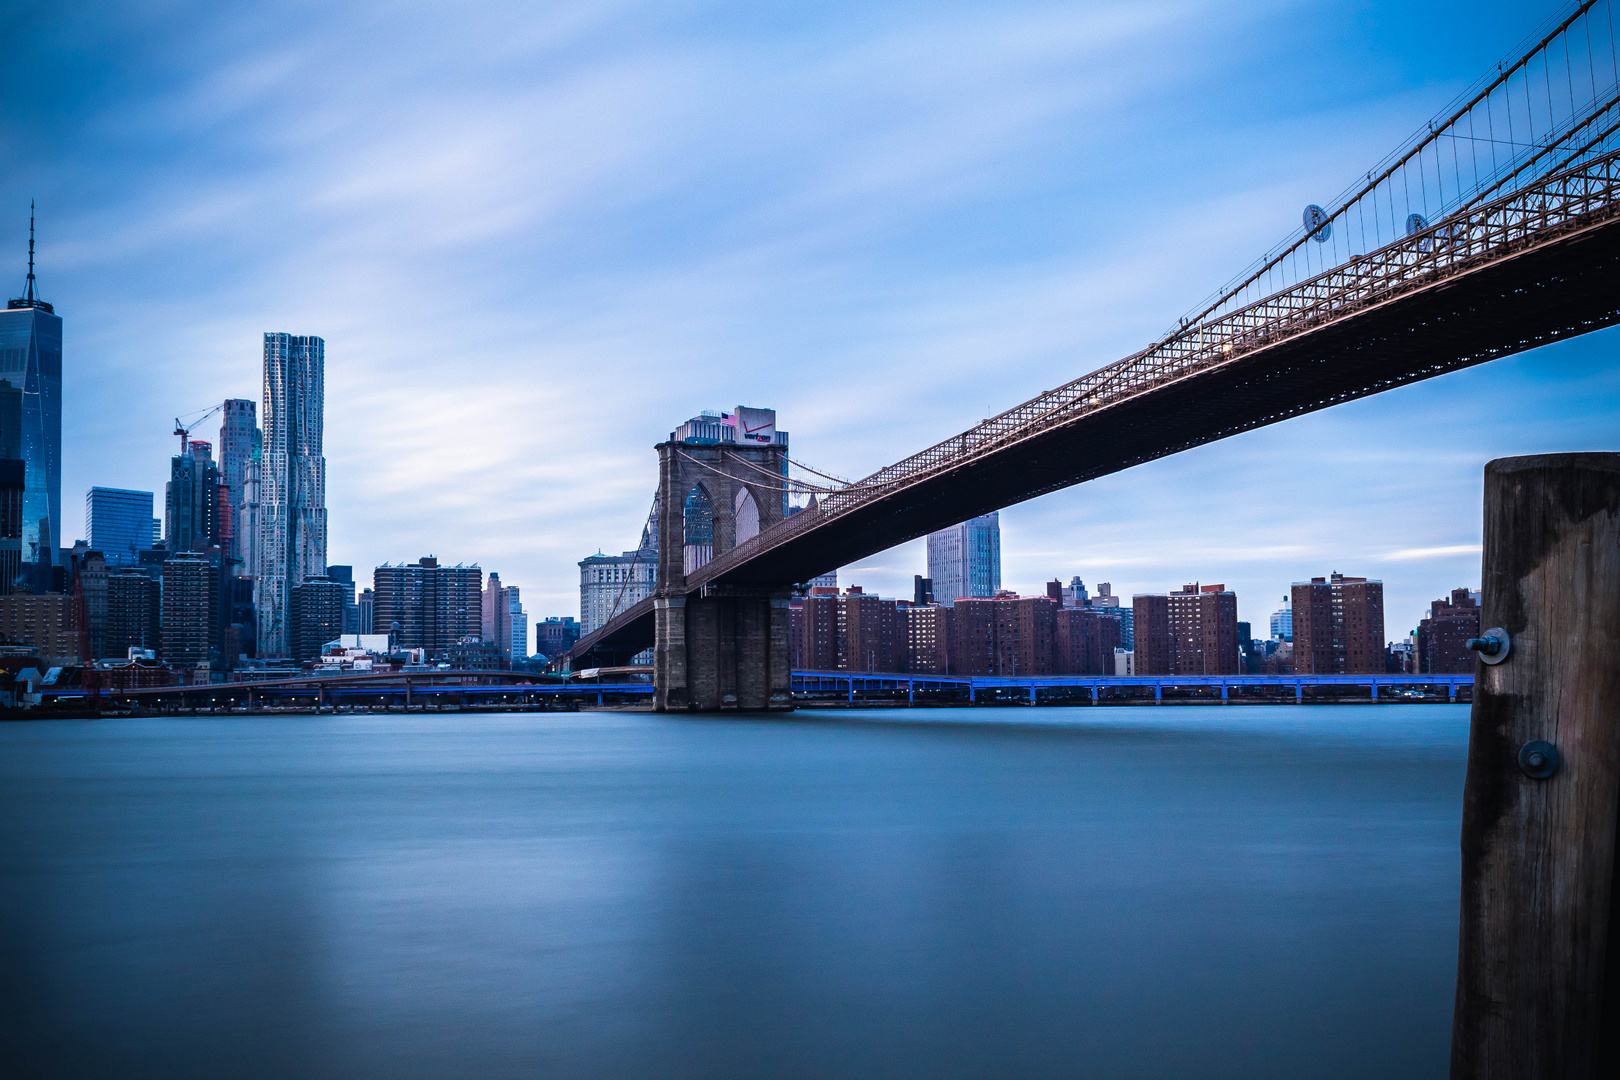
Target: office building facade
[118, 523]
[965, 560]
[351, 607]
[1282, 621]
[609, 584]
[291, 496]
[11, 511]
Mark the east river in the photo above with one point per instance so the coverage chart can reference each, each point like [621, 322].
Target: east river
[1188, 892]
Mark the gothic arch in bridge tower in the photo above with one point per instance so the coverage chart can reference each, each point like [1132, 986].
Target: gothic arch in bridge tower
[698, 518]
[745, 516]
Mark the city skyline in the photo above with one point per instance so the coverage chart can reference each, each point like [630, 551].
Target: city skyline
[957, 283]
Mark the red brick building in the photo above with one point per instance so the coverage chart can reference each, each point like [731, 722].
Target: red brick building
[868, 635]
[926, 631]
[1338, 626]
[1151, 619]
[818, 649]
[1084, 642]
[1005, 635]
[1192, 631]
[1442, 638]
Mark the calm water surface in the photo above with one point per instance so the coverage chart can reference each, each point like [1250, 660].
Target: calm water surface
[1174, 892]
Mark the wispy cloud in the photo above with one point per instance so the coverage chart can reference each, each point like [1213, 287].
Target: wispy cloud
[1453, 551]
[536, 239]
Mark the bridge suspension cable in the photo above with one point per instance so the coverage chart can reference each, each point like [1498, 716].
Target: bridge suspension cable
[630, 571]
[1552, 103]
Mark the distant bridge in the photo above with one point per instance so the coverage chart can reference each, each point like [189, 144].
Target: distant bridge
[442, 690]
[1494, 230]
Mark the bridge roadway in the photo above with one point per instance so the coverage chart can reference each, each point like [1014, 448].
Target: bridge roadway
[1499, 278]
[472, 689]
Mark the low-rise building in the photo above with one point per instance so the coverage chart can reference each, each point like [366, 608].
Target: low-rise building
[43, 621]
[556, 635]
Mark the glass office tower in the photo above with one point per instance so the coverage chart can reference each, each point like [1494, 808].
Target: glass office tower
[118, 523]
[31, 359]
[965, 560]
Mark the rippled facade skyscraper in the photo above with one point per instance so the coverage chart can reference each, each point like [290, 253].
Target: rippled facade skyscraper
[292, 481]
[31, 359]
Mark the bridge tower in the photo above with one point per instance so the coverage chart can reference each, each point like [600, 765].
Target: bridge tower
[719, 647]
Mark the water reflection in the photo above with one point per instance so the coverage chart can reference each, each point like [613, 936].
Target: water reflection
[1244, 892]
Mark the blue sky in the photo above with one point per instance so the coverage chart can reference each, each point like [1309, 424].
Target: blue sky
[536, 237]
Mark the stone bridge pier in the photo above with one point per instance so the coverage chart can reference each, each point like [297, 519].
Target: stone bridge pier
[721, 647]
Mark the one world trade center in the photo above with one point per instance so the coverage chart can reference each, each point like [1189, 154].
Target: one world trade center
[31, 406]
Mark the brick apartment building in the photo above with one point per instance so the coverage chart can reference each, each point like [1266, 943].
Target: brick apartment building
[1004, 635]
[1442, 638]
[1084, 642]
[1338, 626]
[1192, 631]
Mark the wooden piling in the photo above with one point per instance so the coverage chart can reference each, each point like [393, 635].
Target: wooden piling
[1538, 966]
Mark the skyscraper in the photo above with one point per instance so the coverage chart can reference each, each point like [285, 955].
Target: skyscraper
[190, 515]
[291, 518]
[505, 624]
[238, 449]
[118, 523]
[965, 560]
[31, 360]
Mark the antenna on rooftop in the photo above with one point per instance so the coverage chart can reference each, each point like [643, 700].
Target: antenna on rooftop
[30, 293]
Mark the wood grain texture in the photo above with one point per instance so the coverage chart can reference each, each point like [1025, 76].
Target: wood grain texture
[1539, 856]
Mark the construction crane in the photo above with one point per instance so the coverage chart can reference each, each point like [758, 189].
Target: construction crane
[184, 429]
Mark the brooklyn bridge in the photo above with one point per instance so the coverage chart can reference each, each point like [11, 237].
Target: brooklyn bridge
[1492, 230]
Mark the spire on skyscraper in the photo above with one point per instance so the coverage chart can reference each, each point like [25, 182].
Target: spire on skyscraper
[29, 298]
